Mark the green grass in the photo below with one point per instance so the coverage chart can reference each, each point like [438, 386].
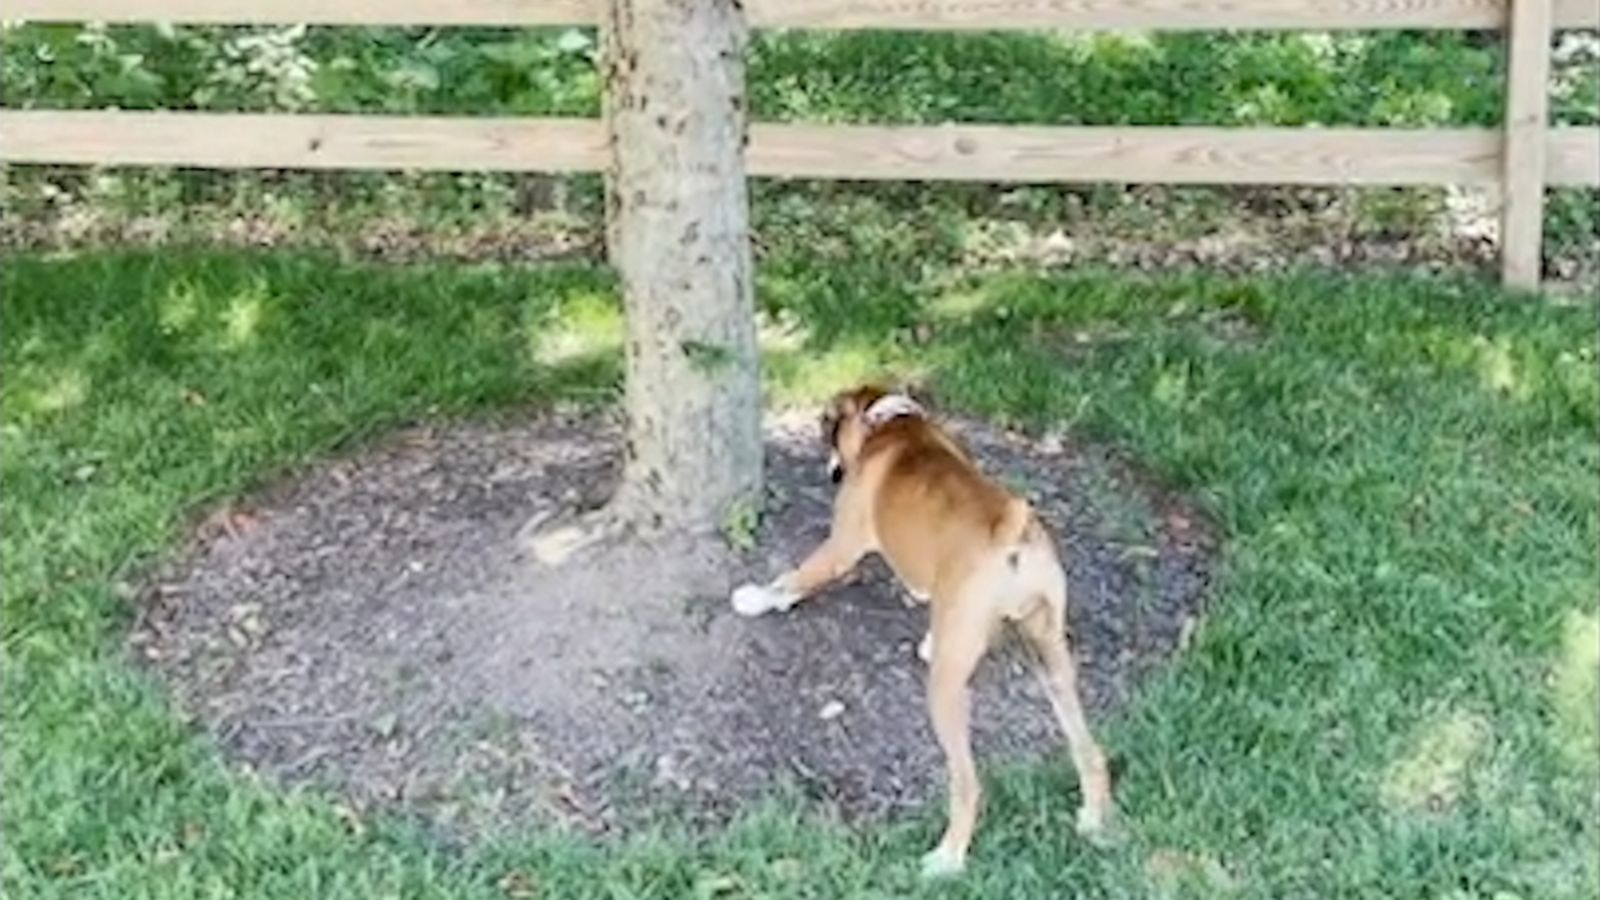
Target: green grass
[1393, 697]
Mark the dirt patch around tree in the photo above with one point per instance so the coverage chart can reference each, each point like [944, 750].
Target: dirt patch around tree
[372, 627]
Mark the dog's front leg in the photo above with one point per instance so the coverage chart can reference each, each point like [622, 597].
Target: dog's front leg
[829, 561]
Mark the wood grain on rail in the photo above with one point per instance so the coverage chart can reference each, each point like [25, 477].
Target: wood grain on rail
[1151, 14]
[1572, 157]
[279, 141]
[310, 12]
[1158, 155]
[992, 153]
[832, 14]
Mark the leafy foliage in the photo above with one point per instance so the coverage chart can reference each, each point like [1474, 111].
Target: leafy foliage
[1293, 78]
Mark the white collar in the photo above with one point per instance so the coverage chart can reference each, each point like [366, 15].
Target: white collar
[891, 406]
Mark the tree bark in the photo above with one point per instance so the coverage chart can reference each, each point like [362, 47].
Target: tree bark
[678, 233]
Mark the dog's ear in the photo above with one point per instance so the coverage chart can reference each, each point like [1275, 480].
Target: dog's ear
[917, 391]
[839, 407]
[828, 424]
[859, 400]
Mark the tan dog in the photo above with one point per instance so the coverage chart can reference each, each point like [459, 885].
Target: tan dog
[976, 553]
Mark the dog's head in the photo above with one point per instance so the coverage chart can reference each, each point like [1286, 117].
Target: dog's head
[852, 415]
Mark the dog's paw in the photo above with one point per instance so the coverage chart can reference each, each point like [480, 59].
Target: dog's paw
[1096, 827]
[759, 599]
[942, 863]
[925, 647]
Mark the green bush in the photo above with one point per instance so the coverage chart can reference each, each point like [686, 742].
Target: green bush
[1293, 78]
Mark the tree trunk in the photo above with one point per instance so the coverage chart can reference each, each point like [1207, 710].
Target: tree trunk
[678, 233]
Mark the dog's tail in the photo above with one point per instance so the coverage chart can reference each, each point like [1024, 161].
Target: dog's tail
[1017, 525]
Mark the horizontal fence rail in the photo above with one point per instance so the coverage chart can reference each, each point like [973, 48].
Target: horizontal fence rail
[828, 14]
[1001, 153]
[1520, 159]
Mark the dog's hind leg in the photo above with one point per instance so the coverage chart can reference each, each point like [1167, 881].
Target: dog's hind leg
[959, 641]
[1045, 630]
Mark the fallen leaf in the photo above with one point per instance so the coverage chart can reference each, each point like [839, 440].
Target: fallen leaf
[228, 521]
[716, 886]
[1171, 866]
[386, 725]
[1186, 632]
[241, 611]
[239, 522]
[787, 868]
[518, 884]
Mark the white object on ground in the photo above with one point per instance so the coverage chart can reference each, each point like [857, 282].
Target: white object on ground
[759, 599]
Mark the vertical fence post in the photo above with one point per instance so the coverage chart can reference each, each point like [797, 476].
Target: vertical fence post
[1522, 181]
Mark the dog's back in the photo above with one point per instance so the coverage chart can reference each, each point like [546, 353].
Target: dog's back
[934, 512]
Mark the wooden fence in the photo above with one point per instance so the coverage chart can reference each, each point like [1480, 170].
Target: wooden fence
[1521, 159]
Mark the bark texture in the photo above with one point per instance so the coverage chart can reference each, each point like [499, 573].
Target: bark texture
[679, 238]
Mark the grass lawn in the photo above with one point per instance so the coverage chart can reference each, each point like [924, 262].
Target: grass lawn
[1395, 696]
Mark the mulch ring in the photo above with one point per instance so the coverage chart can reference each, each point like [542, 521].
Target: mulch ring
[371, 627]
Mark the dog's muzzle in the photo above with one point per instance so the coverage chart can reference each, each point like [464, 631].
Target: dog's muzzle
[835, 468]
